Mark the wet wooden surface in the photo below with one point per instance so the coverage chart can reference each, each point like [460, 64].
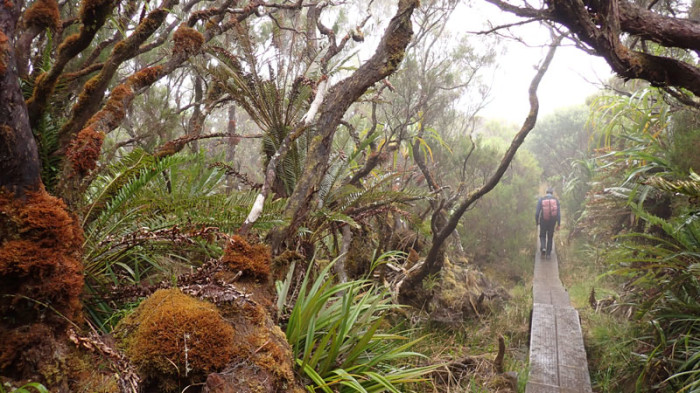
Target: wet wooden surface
[557, 357]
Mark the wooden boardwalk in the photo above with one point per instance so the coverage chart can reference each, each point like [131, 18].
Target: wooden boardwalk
[557, 356]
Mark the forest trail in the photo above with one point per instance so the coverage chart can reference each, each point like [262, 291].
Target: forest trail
[557, 356]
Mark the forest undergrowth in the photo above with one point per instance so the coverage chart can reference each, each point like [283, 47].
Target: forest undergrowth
[470, 351]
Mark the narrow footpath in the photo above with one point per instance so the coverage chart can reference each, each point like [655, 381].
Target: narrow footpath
[557, 356]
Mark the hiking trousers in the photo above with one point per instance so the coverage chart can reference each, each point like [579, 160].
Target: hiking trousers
[546, 235]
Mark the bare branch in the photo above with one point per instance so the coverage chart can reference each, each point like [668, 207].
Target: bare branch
[505, 27]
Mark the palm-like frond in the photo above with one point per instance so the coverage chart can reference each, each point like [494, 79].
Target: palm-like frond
[147, 215]
[689, 187]
[46, 134]
[665, 270]
[272, 105]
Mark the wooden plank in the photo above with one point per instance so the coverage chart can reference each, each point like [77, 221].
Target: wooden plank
[560, 297]
[543, 346]
[574, 379]
[573, 366]
[541, 294]
[571, 350]
[541, 388]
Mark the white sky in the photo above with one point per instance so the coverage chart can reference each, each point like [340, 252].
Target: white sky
[572, 76]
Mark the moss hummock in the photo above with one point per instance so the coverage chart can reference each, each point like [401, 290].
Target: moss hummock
[177, 340]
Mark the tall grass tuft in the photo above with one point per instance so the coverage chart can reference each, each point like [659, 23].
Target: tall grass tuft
[341, 340]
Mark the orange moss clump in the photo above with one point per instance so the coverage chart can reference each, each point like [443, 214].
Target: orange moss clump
[39, 257]
[178, 339]
[69, 43]
[43, 14]
[85, 149]
[4, 46]
[145, 77]
[21, 340]
[252, 260]
[40, 273]
[264, 361]
[114, 109]
[91, 10]
[187, 40]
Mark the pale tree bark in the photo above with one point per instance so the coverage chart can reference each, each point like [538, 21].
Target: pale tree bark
[339, 266]
[410, 291]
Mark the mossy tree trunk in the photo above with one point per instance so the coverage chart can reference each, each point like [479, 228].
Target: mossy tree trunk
[40, 269]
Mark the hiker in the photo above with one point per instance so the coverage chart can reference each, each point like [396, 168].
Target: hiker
[547, 214]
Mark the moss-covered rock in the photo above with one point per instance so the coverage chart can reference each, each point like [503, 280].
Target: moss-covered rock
[232, 344]
[176, 340]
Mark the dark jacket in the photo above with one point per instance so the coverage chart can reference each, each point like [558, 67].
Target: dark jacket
[538, 213]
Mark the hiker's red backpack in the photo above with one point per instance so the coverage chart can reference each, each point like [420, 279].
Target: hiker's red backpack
[550, 209]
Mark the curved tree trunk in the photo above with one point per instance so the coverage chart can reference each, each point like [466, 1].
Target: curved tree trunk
[601, 26]
[411, 291]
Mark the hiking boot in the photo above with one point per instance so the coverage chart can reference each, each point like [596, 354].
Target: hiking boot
[543, 251]
[547, 256]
